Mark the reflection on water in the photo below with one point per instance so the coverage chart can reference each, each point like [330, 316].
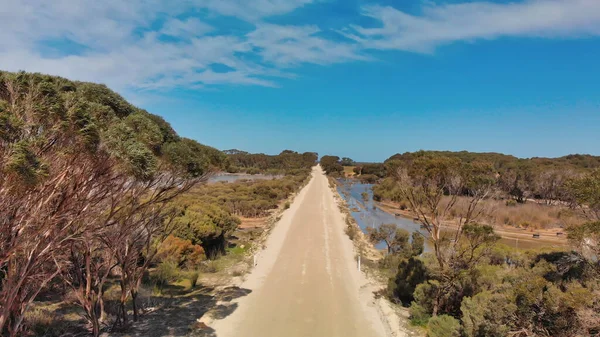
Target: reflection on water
[231, 177]
[367, 214]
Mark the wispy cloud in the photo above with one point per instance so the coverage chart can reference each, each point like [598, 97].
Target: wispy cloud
[159, 44]
[444, 24]
[254, 9]
[153, 44]
[288, 46]
[183, 28]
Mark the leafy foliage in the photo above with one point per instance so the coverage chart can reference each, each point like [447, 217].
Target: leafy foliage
[85, 178]
[443, 326]
[287, 162]
[331, 165]
[181, 252]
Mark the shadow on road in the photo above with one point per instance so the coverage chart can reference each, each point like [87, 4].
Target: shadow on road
[179, 316]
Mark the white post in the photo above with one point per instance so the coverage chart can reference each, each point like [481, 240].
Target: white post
[359, 263]
[254, 261]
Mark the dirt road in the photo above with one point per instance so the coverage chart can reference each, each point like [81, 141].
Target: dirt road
[306, 282]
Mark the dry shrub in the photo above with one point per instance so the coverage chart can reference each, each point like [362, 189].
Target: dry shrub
[530, 215]
[45, 322]
[181, 252]
[351, 229]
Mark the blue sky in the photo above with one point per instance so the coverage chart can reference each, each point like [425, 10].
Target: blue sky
[358, 78]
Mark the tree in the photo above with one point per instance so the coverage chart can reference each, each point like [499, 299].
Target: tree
[331, 165]
[347, 162]
[53, 177]
[411, 273]
[206, 225]
[396, 240]
[550, 185]
[84, 179]
[393, 237]
[426, 180]
[417, 243]
[518, 181]
[586, 194]
[586, 239]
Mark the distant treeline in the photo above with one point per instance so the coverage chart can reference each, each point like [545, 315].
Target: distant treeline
[521, 179]
[285, 162]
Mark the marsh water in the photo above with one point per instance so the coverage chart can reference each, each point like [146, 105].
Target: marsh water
[367, 214]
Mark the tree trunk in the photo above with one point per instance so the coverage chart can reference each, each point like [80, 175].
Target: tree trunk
[123, 303]
[102, 312]
[436, 307]
[123, 310]
[3, 319]
[95, 327]
[17, 325]
[134, 295]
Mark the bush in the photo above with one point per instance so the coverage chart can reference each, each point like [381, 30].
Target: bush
[422, 306]
[253, 171]
[192, 276]
[351, 231]
[418, 315]
[411, 273]
[43, 322]
[511, 203]
[365, 196]
[286, 205]
[368, 179]
[181, 252]
[166, 272]
[443, 326]
[210, 266]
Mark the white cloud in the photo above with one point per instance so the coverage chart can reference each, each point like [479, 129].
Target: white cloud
[444, 24]
[189, 27]
[159, 44]
[117, 42]
[292, 45]
[254, 9]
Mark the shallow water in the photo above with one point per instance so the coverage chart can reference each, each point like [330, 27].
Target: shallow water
[367, 214]
[232, 177]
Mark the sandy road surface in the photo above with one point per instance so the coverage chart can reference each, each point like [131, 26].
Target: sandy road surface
[306, 282]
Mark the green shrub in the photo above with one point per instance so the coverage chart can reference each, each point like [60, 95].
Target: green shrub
[418, 315]
[165, 273]
[253, 171]
[422, 306]
[443, 326]
[411, 273]
[511, 203]
[192, 276]
[286, 205]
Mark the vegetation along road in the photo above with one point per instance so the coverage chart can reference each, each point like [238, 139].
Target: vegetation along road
[306, 282]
